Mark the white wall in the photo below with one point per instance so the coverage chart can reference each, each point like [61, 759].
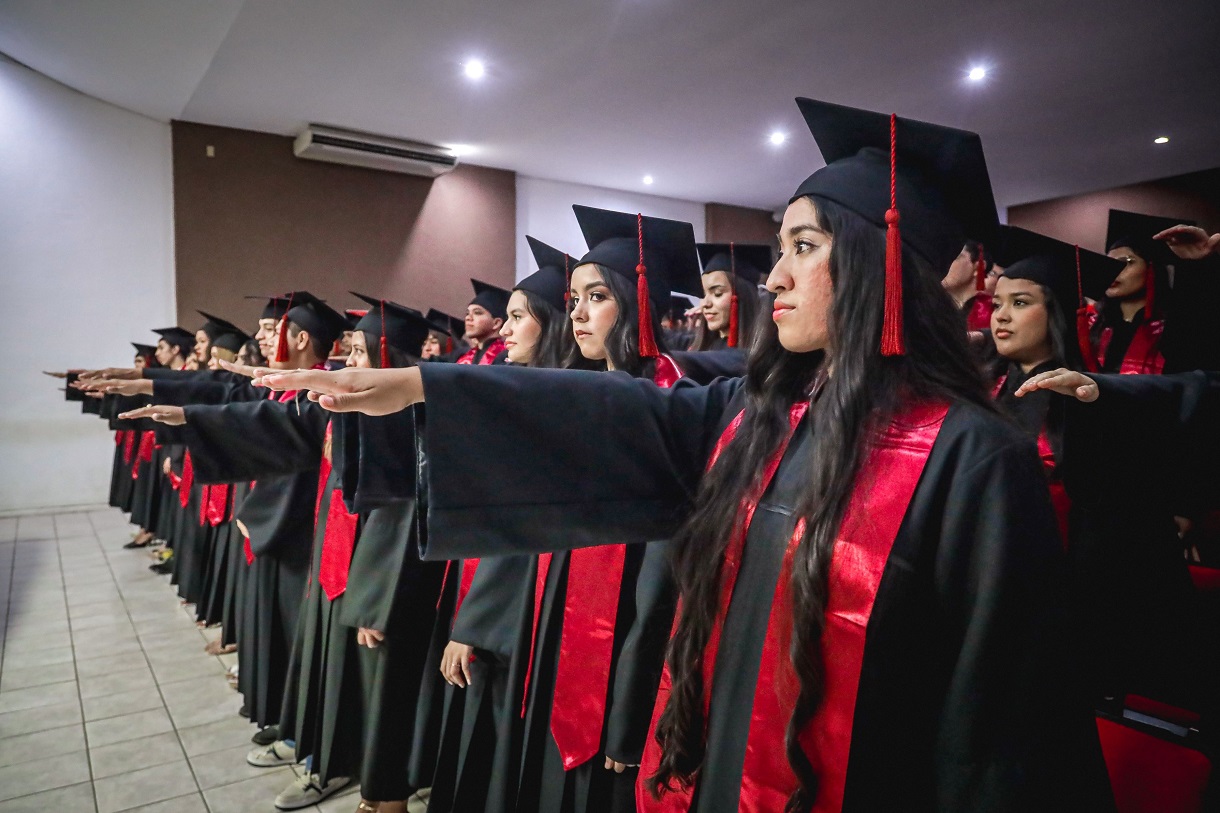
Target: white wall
[544, 211]
[86, 266]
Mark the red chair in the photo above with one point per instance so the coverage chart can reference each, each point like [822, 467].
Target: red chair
[1206, 579]
[1152, 770]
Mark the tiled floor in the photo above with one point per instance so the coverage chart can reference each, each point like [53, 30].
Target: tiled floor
[107, 700]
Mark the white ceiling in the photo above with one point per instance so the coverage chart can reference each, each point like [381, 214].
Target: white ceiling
[685, 90]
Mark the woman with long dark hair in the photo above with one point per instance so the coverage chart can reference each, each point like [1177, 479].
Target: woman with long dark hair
[871, 583]
[731, 307]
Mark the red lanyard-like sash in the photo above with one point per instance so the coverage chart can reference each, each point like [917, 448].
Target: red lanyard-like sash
[214, 505]
[885, 486]
[338, 539]
[1059, 497]
[490, 354]
[1143, 356]
[143, 453]
[129, 443]
[586, 643]
[187, 481]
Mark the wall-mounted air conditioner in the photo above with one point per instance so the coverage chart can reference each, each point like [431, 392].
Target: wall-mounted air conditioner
[321, 143]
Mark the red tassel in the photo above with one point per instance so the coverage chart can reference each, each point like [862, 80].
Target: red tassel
[281, 346]
[733, 315]
[448, 344]
[567, 280]
[980, 271]
[733, 322]
[1084, 313]
[892, 343]
[648, 344]
[385, 349]
[1149, 291]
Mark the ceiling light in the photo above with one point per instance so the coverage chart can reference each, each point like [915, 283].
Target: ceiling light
[647, 180]
[1161, 140]
[461, 150]
[778, 138]
[977, 74]
[474, 69]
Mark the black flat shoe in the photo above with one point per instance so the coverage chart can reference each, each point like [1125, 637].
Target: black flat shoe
[267, 736]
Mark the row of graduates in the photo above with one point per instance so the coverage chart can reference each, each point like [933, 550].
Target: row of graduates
[930, 528]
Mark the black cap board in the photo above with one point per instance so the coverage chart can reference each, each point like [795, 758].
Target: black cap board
[490, 298]
[444, 323]
[323, 323]
[179, 336]
[404, 328]
[752, 261]
[276, 305]
[1052, 263]
[670, 258]
[215, 326]
[943, 188]
[353, 317]
[1134, 231]
[551, 280]
[232, 341]
[144, 349]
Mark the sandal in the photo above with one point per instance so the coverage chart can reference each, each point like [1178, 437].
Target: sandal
[217, 648]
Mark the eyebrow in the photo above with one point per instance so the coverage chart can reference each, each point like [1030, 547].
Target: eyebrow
[598, 283]
[795, 230]
[1018, 292]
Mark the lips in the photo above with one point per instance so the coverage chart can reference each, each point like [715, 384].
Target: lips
[780, 309]
[1003, 334]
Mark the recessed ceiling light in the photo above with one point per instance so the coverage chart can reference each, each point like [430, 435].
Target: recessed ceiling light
[977, 74]
[474, 69]
[1161, 140]
[647, 180]
[778, 138]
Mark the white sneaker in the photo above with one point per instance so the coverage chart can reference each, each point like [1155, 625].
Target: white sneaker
[272, 756]
[306, 791]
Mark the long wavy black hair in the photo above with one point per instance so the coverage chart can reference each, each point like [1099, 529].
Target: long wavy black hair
[623, 341]
[555, 342]
[863, 393]
[749, 313]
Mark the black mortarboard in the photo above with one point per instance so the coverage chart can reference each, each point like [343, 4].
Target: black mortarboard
[353, 316]
[1070, 272]
[678, 306]
[177, 336]
[144, 349]
[276, 306]
[232, 341]
[490, 298]
[444, 323]
[1134, 231]
[552, 279]
[750, 261]
[402, 327]
[943, 188]
[215, 326]
[323, 323]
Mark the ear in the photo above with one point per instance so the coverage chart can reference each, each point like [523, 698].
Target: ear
[302, 341]
[497, 324]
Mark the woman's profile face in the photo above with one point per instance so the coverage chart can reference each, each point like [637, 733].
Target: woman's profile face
[717, 301]
[594, 311]
[1020, 321]
[1130, 281]
[801, 282]
[432, 347]
[521, 330]
[202, 342]
[358, 356]
[164, 353]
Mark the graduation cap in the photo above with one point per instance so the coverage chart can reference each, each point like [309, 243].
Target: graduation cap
[678, 306]
[1070, 272]
[323, 323]
[657, 254]
[1134, 231]
[353, 316]
[178, 337]
[233, 341]
[146, 350]
[215, 326]
[276, 306]
[553, 278]
[490, 298]
[747, 260]
[889, 170]
[394, 325]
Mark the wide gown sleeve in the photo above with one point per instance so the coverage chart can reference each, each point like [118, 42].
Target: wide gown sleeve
[596, 458]
[248, 440]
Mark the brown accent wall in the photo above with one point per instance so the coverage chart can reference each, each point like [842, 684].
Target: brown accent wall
[724, 223]
[255, 219]
[1081, 219]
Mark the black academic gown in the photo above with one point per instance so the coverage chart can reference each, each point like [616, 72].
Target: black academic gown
[261, 441]
[966, 699]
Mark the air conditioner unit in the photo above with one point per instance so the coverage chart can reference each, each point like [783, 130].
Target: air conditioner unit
[321, 143]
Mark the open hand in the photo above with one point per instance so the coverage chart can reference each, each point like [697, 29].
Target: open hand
[126, 373]
[369, 637]
[618, 767]
[120, 386]
[1189, 242]
[1063, 382]
[161, 413]
[371, 391]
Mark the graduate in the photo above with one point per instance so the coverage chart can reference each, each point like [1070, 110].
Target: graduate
[731, 308]
[970, 281]
[445, 340]
[1144, 325]
[484, 318]
[488, 657]
[872, 599]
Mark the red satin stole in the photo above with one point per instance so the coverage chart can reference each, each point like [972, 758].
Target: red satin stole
[187, 480]
[214, 505]
[143, 453]
[338, 538]
[978, 317]
[129, 443]
[1143, 356]
[586, 644]
[884, 488]
[489, 354]
[1059, 496]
